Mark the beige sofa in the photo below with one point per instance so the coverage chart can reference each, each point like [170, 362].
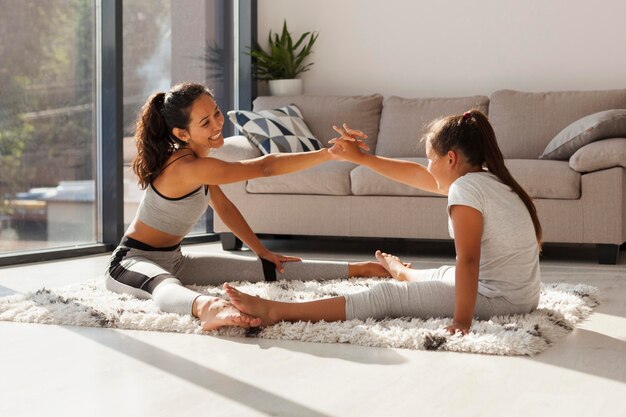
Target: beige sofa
[342, 199]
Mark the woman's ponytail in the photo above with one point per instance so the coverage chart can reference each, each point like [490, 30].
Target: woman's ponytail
[472, 135]
[151, 138]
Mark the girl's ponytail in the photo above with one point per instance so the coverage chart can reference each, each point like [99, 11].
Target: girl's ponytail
[472, 135]
[494, 162]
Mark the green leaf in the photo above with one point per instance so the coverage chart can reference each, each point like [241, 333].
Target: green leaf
[283, 59]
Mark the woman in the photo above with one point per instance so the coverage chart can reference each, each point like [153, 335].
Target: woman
[175, 134]
[493, 222]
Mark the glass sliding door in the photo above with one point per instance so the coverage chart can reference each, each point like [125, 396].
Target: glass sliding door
[47, 125]
[166, 42]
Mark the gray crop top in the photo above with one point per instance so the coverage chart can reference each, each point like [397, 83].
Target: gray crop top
[175, 216]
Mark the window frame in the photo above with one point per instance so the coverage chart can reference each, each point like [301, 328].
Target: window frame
[109, 125]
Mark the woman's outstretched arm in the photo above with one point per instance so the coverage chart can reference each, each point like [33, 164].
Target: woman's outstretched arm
[215, 171]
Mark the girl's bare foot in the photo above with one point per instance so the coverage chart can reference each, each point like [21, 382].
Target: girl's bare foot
[254, 306]
[392, 264]
[215, 313]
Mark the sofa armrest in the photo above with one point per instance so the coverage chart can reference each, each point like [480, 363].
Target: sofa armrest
[599, 155]
[236, 148]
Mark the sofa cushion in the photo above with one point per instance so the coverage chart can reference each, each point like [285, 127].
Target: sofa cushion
[322, 112]
[330, 178]
[279, 130]
[403, 121]
[601, 125]
[540, 179]
[546, 179]
[368, 182]
[525, 123]
[606, 154]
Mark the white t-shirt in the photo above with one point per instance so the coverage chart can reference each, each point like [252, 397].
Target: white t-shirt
[509, 255]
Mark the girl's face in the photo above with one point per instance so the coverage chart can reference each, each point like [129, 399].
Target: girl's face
[205, 126]
[440, 168]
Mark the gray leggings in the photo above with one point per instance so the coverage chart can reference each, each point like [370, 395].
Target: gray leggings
[431, 296]
[160, 274]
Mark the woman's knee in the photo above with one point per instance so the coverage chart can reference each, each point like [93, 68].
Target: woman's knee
[115, 286]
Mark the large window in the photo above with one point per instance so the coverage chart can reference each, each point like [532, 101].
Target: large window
[49, 108]
[47, 122]
[166, 42]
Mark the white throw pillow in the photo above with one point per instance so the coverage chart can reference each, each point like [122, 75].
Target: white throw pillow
[600, 155]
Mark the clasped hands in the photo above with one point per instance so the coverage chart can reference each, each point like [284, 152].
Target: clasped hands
[348, 146]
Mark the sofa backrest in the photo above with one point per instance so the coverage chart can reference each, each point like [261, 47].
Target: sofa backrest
[320, 113]
[525, 123]
[403, 121]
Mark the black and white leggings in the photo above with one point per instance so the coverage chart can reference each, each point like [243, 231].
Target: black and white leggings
[161, 273]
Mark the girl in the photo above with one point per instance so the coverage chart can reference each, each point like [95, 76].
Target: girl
[492, 220]
[175, 134]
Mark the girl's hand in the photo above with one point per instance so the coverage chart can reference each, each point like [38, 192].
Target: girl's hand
[458, 327]
[351, 135]
[278, 260]
[347, 147]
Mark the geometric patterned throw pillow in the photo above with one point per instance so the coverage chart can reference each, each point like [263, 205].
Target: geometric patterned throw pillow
[276, 131]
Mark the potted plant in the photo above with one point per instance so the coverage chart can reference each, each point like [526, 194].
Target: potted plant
[283, 61]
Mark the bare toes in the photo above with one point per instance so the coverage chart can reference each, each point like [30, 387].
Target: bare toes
[252, 321]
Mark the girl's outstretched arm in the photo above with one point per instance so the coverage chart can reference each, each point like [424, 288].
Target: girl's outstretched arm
[467, 223]
[406, 172]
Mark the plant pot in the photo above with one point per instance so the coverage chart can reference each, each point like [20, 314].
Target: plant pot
[291, 87]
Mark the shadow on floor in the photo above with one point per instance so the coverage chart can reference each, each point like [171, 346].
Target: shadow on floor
[347, 352]
[4, 291]
[239, 391]
[590, 353]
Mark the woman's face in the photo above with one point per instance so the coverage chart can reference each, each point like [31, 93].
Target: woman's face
[205, 125]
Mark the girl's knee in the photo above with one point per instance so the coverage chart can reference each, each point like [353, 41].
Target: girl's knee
[387, 291]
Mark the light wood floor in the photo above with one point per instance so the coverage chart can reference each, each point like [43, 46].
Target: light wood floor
[69, 371]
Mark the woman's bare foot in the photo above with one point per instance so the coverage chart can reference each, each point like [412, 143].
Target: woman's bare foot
[254, 306]
[369, 269]
[392, 264]
[216, 312]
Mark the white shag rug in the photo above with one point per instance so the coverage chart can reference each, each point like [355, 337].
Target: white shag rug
[89, 304]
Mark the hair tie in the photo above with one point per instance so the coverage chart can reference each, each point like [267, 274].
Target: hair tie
[159, 101]
[467, 115]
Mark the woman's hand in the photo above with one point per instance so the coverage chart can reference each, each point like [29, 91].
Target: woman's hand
[351, 135]
[278, 260]
[348, 146]
[458, 327]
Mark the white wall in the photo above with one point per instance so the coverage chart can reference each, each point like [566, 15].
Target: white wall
[436, 48]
